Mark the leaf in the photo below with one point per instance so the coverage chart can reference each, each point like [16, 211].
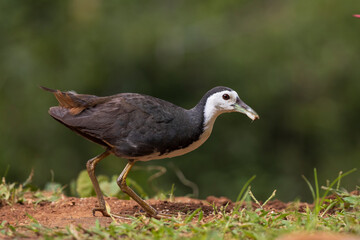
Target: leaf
[353, 200]
[52, 186]
[110, 188]
[84, 186]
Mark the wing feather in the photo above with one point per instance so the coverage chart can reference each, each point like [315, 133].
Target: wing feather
[133, 125]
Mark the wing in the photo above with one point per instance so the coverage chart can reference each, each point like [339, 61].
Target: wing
[133, 125]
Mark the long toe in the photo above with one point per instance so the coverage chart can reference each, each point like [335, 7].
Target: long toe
[164, 216]
[102, 210]
[120, 216]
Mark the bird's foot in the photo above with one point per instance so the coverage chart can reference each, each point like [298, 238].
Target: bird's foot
[107, 214]
[163, 216]
[159, 215]
[102, 210]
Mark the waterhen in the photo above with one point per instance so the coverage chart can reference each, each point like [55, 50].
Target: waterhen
[139, 127]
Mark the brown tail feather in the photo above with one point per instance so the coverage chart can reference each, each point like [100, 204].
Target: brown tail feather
[68, 100]
[47, 89]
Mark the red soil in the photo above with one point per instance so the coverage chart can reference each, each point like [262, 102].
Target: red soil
[72, 210]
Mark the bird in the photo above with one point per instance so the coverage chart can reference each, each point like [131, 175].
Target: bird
[139, 127]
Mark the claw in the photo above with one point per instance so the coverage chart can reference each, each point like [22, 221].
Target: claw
[102, 210]
[163, 215]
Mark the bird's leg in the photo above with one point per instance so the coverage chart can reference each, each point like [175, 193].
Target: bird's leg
[90, 166]
[121, 181]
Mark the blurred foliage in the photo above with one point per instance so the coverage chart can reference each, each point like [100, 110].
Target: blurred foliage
[295, 62]
[12, 193]
[109, 187]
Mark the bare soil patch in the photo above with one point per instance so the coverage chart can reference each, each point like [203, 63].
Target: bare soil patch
[72, 210]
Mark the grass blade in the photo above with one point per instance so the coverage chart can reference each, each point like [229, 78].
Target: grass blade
[201, 215]
[338, 184]
[6, 171]
[317, 195]
[245, 187]
[335, 181]
[192, 215]
[254, 198]
[310, 186]
[272, 195]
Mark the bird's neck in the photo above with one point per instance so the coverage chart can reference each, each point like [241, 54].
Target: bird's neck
[206, 113]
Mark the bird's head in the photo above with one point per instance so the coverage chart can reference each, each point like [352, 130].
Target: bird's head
[221, 100]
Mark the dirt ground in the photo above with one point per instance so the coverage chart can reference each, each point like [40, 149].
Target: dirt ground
[72, 210]
[78, 211]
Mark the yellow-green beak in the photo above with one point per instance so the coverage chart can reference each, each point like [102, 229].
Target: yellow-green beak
[241, 107]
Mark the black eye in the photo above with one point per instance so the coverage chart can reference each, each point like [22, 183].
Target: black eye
[226, 97]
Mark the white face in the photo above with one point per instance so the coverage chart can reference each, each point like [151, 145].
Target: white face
[222, 102]
[218, 103]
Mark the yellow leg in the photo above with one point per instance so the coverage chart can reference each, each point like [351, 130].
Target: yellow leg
[121, 181]
[90, 166]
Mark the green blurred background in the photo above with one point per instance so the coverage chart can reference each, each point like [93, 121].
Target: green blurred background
[295, 62]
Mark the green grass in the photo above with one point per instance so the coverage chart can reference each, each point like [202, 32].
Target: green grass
[341, 213]
[244, 223]
[12, 193]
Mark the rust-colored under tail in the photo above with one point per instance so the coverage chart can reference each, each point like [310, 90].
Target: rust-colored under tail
[74, 102]
[70, 106]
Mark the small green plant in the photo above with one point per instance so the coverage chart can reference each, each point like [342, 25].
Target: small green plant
[319, 201]
[12, 193]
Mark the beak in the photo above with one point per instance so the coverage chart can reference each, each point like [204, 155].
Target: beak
[241, 107]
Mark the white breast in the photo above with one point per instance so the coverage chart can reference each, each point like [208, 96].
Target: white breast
[156, 155]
